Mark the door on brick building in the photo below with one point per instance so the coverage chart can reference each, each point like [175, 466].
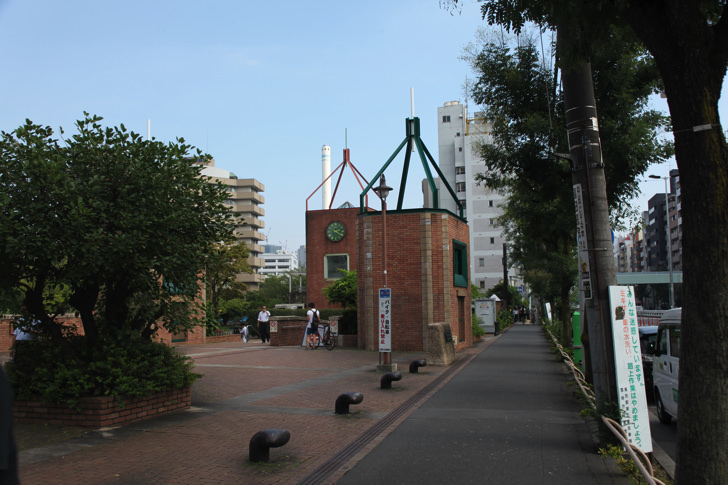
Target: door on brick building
[461, 318]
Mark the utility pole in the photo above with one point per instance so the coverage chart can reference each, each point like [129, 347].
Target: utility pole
[597, 270]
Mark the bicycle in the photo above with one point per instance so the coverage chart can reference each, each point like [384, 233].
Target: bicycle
[328, 340]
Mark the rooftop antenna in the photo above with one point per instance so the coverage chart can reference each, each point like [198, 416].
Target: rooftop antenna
[412, 102]
[412, 111]
[149, 129]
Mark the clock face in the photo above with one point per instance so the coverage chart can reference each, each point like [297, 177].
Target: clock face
[335, 231]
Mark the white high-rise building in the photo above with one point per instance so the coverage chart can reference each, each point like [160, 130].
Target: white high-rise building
[459, 160]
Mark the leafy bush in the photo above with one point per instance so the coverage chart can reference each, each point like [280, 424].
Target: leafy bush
[47, 371]
[504, 319]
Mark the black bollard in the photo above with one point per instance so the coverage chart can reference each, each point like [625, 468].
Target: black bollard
[263, 441]
[343, 401]
[416, 364]
[386, 382]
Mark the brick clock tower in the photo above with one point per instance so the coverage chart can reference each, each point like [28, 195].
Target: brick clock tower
[419, 255]
[331, 244]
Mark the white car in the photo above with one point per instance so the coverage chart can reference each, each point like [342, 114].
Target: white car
[666, 365]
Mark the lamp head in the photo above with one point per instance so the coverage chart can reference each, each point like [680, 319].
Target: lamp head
[383, 189]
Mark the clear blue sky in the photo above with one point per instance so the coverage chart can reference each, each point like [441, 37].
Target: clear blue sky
[261, 86]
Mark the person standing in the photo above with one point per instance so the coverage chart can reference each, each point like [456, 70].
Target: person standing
[312, 327]
[264, 325]
[24, 334]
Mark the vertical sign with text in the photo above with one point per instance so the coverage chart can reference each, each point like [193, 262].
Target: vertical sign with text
[385, 320]
[628, 366]
[581, 239]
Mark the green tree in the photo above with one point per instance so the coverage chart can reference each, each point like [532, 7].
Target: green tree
[689, 42]
[514, 298]
[226, 262]
[475, 292]
[273, 290]
[538, 217]
[343, 291]
[127, 225]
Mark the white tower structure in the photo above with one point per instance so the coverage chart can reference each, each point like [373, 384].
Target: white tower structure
[325, 172]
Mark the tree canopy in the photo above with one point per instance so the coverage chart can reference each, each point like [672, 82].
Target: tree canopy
[516, 86]
[127, 225]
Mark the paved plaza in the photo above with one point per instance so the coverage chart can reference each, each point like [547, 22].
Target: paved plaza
[248, 387]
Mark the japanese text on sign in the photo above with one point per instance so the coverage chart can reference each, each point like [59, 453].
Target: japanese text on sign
[628, 364]
[385, 320]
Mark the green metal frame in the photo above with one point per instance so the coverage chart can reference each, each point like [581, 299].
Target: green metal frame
[413, 138]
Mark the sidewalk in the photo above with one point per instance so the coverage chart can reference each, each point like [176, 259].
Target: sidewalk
[508, 417]
[501, 413]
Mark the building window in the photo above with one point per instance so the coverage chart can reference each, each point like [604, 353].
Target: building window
[333, 263]
[459, 170]
[460, 187]
[490, 203]
[457, 134]
[491, 222]
[482, 283]
[460, 263]
[464, 204]
[460, 149]
[481, 262]
[492, 240]
[446, 119]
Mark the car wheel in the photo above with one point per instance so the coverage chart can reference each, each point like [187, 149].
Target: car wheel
[662, 415]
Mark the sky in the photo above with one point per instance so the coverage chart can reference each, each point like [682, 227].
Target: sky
[260, 86]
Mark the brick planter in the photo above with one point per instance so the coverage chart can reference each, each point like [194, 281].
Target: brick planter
[104, 411]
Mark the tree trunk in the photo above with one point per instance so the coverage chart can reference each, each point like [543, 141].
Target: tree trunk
[703, 163]
[692, 55]
[590, 182]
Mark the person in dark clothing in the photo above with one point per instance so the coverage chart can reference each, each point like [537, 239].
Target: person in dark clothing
[8, 449]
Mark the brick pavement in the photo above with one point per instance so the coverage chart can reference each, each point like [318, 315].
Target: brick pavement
[248, 387]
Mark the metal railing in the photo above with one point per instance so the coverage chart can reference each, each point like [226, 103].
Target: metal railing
[639, 458]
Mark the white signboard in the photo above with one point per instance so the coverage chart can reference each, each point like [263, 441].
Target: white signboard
[629, 370]
[273, 327]
[584, 273]
[385, 320]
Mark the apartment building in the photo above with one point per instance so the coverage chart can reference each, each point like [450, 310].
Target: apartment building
[246, 201]
[664, 253]
[459, 160]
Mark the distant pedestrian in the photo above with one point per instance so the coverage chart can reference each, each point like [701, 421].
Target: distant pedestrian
[24, 333]
[244, 333]
[314, 317]
[264, 325]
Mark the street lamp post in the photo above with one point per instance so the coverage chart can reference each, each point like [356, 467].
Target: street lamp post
[383, 190]
[669, 239]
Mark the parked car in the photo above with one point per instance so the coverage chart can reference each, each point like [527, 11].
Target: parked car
[666, 365]
[648, 343]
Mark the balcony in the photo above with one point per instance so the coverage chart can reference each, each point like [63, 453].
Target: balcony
[247, 234]
[244, 207]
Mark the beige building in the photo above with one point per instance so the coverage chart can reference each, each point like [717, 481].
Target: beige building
[246, 201]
